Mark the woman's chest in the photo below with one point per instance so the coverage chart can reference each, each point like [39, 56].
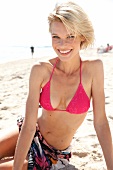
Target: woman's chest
[63, 91]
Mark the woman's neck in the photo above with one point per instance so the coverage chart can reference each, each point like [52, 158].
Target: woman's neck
[70, 66]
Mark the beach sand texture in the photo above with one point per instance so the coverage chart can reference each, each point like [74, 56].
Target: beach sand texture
[14, 76]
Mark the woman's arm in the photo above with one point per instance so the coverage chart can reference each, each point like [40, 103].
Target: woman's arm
[29, 125]
[100, 120]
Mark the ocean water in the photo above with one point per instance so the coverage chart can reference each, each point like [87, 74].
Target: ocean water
[11, 53]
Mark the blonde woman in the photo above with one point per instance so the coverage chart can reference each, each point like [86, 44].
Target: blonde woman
[63, 87]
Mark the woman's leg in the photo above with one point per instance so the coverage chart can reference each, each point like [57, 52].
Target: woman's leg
[8, 140]
[7, 164]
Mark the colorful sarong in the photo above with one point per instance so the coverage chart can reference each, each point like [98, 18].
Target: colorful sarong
[41, 155]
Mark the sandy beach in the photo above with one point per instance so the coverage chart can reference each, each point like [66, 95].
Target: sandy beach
[14, 80]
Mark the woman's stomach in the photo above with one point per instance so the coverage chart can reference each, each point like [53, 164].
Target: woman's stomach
[58, 128]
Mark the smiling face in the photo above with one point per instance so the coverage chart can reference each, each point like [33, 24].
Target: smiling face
[65, 44]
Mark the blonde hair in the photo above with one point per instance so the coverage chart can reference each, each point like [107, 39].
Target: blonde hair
[75, 20]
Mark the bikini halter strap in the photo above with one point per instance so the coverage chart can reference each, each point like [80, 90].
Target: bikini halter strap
[53, 68]
[80, 70]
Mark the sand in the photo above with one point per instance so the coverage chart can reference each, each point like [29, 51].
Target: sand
[14, 77]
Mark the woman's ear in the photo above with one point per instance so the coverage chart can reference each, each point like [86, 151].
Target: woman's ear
[82, 38]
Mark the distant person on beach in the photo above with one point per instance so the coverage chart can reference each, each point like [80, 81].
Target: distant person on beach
[63, 86]
[103, 49]
[32, 50]
[109, 47]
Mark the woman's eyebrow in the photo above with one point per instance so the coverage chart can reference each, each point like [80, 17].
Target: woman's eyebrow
[54, 34]
[66, 35]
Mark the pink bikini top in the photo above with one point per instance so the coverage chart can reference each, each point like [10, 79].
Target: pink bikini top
[79, 104]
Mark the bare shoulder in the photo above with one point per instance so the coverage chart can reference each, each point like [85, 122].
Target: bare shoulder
[41, 70]
[96, 63]
[42, 67]
[96, 71]
[94, 66]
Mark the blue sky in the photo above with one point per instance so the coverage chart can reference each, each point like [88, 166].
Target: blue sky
[24, 22]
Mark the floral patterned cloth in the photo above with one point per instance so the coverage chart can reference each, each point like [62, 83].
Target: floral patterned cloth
[41, 155]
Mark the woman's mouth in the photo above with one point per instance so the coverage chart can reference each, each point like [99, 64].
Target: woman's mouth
[65, 52]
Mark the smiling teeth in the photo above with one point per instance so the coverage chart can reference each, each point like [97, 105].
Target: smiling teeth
[64, 52]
